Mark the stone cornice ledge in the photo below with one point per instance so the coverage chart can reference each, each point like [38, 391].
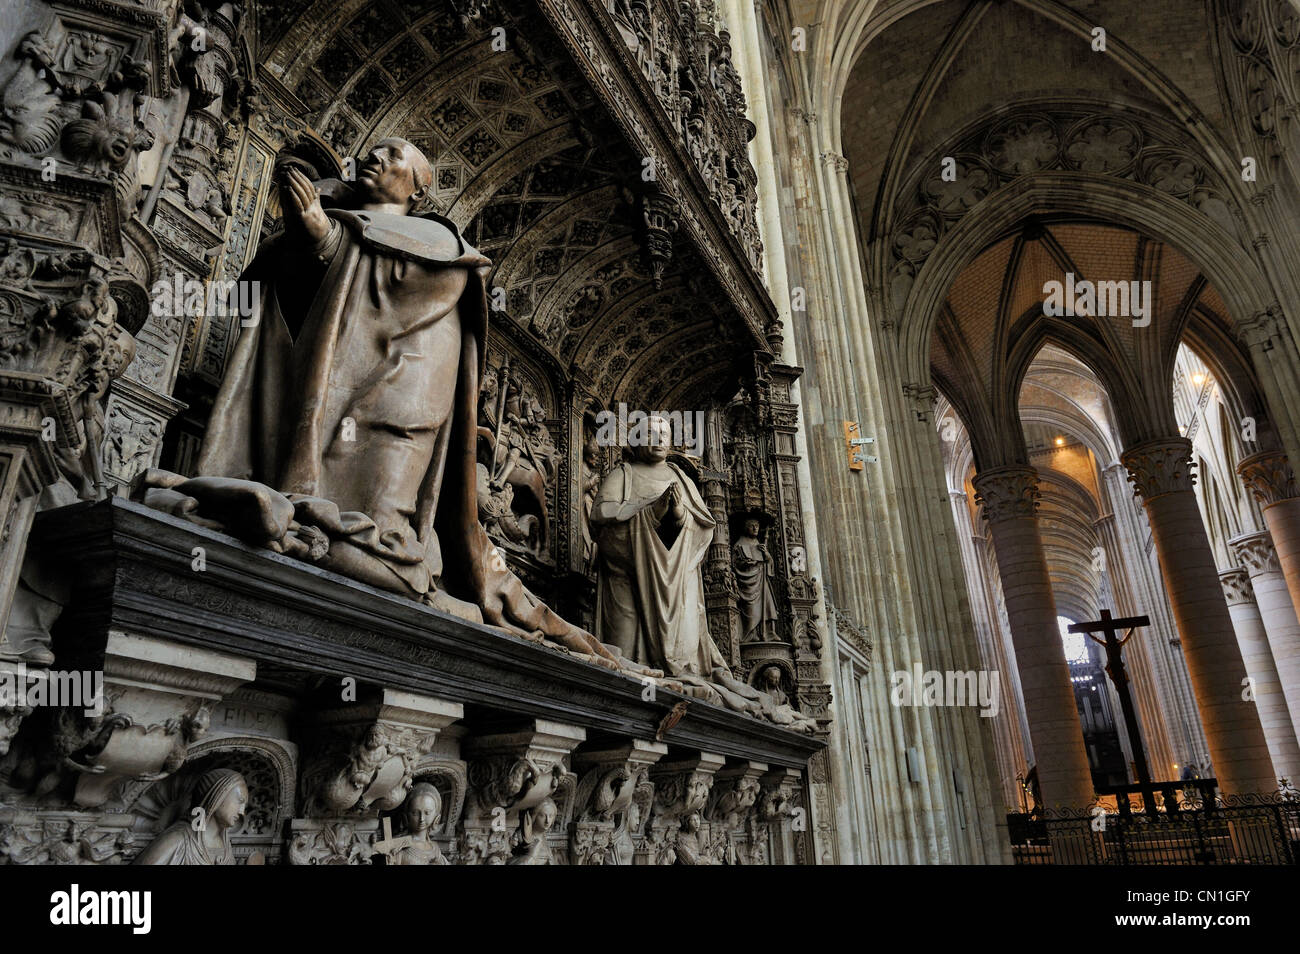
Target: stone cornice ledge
[130, 568]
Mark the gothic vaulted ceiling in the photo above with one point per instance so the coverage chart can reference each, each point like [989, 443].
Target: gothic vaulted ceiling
[992, 325]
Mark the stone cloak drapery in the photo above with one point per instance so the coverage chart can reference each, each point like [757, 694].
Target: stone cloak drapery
[755, 588]
[651, 600]
[362, 333]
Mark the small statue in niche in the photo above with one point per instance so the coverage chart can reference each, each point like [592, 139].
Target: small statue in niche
[203, 837]
[754, 570]
[534, 825]
[515, 451]
[421, 812]
[590, 484]
[776, 704]
[690, 843]
[496, 512]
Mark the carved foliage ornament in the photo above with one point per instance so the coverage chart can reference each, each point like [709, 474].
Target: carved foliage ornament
[1269, 477]
[1007, 493]
[1160, 467]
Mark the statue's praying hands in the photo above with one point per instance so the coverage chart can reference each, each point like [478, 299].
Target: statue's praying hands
[302, 209]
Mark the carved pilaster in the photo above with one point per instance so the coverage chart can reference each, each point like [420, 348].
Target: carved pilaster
[1236, 586]
[681, 794]
[719, 578]
[512, 773]
[156, 702]
[1269, 477]
[613, 801]
[771, 834]
[1007, 493]
[1160, 467]
[1255, 552]
[361, 758]
[733, 803]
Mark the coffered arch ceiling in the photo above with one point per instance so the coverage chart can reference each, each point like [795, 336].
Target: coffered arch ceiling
[530, 167]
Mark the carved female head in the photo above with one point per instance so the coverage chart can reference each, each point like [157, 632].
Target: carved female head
[222, 794]
[423, 808]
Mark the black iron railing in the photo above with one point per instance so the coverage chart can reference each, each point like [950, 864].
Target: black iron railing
[1196, 828]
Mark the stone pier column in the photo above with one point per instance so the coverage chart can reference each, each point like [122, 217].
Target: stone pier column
[1009, 497]
[1256, 553]
[1161, 471]
[1270, 478]
[1274, 713]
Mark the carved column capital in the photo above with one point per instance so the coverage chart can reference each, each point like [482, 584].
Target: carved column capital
[1259, 330]
[1256, 553]
[1007, 493]
[922, 398]
[836, 162]
[1161, 466]
[1269, 477]
[1236, 586]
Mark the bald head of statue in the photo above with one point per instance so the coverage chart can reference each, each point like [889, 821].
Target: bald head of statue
[394, 172]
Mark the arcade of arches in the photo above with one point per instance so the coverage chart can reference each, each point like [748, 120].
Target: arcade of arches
[794, 222]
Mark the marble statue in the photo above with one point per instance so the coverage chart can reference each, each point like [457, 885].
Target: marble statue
[775, 704]
[202, 837]
[590, 486]
[534, 825]
[344, 431]
[421, 812]
[653, 531]
[753, 567]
